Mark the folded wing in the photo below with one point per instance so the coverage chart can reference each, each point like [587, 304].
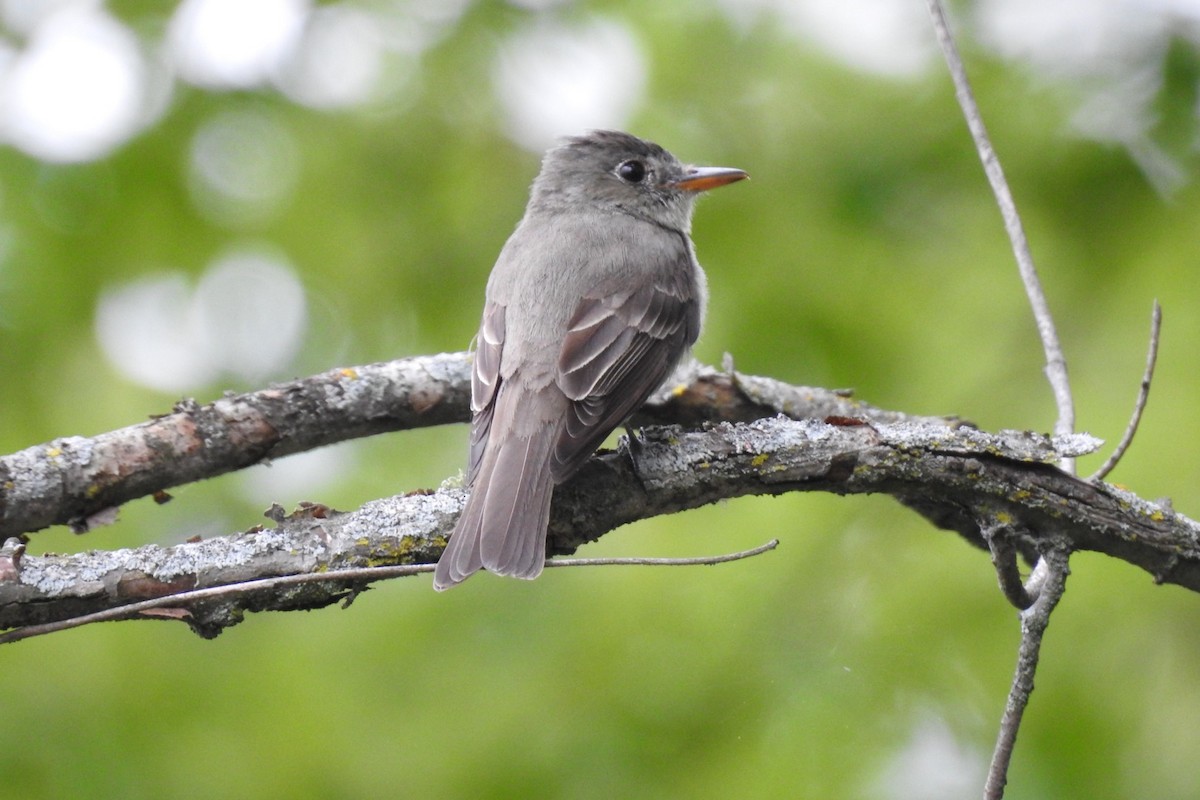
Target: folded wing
[621, 344]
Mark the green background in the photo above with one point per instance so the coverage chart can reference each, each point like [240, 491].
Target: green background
[866, 252]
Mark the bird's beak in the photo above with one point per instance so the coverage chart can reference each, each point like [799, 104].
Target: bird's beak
[701, 179]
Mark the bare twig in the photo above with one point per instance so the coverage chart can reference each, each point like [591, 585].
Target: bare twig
[179, 601]
[663, 562]
[1046, 584]
[1143, 395]
[1004, 558]
[1056, 363]
[1051, 574]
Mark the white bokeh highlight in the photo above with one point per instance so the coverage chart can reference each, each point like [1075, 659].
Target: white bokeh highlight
[234, 44]
[249, 313]
[890, 38]
[1073, 38]
[554, 79]
[23, 17]
[242, 167]
[297, 477]
[1111, 53]
[244, 319]
[932, 765]
[141, 328]
[76, 90]
[339, 60]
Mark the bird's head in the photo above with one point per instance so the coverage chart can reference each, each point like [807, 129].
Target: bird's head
[618, 171]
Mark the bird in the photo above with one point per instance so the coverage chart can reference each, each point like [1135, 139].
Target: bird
[592, 302]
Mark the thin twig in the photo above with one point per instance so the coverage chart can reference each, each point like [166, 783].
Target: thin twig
[998, 536]
[1056, 363]
[1143, 395]
[356, 575]
[663, 562]
[1053, 578]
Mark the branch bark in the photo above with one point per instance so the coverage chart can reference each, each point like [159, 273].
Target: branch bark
[74, 480]
[68, 481]
[954, 474]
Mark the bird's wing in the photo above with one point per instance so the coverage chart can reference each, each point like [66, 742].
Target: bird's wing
[485, 381]
[621, 344]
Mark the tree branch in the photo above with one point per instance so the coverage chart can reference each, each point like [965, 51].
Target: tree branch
[69, 481]
[175, 606]
[1056, 362]
[953, 475]
[999, 535]
[1139, 405]
[1051, 584]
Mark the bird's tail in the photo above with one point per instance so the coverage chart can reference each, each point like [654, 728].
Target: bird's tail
[503, 525]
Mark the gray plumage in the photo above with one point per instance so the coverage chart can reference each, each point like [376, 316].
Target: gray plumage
[592, 302]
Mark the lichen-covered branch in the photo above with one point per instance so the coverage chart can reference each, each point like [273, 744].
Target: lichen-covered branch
[954, 475]
[72, 480]
[69, 480]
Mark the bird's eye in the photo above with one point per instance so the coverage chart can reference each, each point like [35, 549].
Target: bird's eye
[632, 170]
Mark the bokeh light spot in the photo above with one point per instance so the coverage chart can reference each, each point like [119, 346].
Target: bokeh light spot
[554, 80]
[243, 167]
[249, 313]
[75, 92]
[932, 765]
[246, 318]
[339, 60]
[233, 44]
[884, 37]
[140, 327]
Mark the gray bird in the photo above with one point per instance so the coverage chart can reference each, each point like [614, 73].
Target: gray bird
[594, 299]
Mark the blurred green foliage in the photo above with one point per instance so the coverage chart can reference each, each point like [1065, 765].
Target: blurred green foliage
[865, 252]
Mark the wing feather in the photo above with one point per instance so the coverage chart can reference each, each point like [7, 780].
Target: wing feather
[485, 382]
[620, 346]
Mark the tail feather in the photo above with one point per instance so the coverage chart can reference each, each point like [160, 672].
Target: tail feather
[461, 557]
[517, 507]
[503, 525]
